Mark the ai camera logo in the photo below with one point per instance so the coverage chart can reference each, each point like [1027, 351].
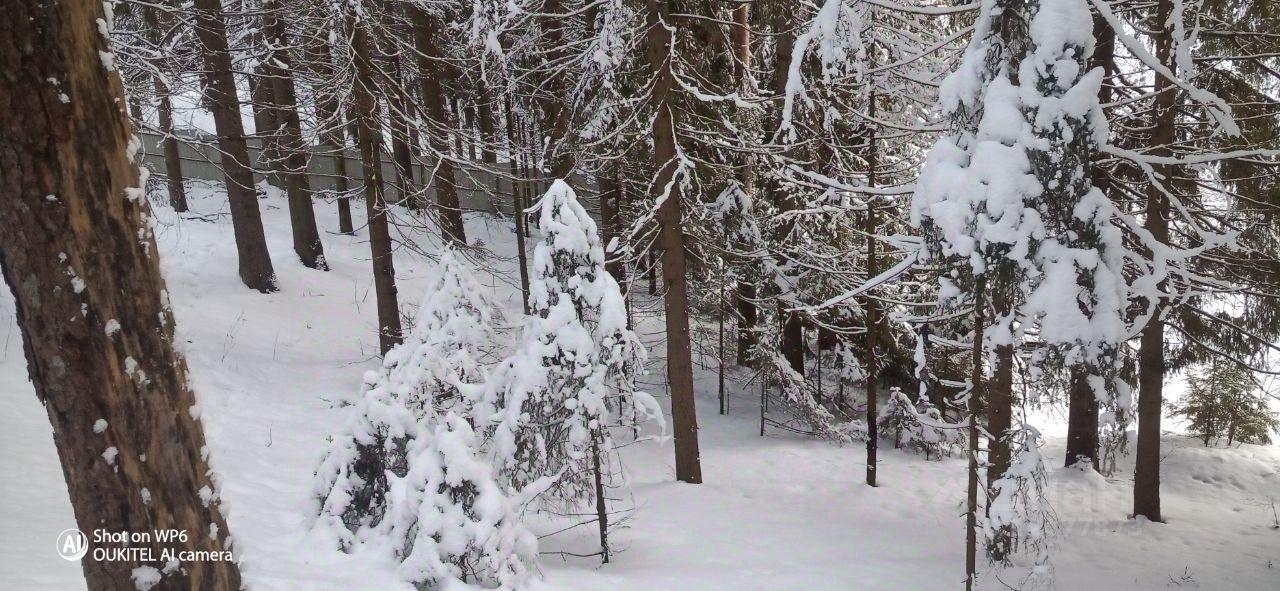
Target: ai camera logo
[72, 544]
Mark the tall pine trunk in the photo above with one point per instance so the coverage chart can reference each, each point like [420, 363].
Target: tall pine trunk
[97, 330]
[220, 93]
[369, 133]
[164, 111]
[871, 304]
[331, 122]
[302, 215]
[1151, 365]
[975, 409]
[433, 75]
[671, 218]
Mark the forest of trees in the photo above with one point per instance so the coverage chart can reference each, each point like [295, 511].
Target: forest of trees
[908, 221]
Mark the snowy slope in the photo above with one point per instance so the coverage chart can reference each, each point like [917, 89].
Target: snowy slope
[774, 513]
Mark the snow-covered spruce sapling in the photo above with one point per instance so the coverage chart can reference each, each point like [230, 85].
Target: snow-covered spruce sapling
[436, 367]
[573, 374]
[410, 474]
[919, 426]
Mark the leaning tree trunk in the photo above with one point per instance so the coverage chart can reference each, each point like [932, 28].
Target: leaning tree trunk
[426, 31]
[369, 133]
[97, 330]
[302, 215]
[220, 93]
[670, 218]
[1151, 366]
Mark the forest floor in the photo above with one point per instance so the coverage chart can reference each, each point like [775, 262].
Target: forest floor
[777, 512]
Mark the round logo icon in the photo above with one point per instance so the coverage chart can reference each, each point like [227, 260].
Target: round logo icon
[72, 544]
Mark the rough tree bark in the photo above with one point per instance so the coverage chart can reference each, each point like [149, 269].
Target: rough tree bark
[97, 330]
[369, 139]
[1151, 366]
[670, 217]
[433, 75]
[220, 94]
[302, 214]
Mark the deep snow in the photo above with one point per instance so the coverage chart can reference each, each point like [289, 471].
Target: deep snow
[774, 513]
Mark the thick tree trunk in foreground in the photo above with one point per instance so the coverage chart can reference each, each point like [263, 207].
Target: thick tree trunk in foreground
[220, 93]
[1146, 472]
[432, 74]
[670, 216]
[84, 271]
[302, 215]
[369, 131]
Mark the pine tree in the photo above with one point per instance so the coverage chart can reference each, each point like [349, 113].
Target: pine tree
[412, 469]
[1006, 201]
[574, 373]
[1222, 401]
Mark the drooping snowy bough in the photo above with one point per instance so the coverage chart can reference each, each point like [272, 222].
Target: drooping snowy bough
[1007, 206]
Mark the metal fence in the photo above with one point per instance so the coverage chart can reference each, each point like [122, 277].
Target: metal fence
[479, 189]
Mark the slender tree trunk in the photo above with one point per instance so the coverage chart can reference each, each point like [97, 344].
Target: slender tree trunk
[1151, 365]
[671, 219]
[872, 305]
[745, 292]
[401, 154]
[518, 201]
[370, 142]
[331, 123]
[265, 122]
[610, 222]
[602, 509]
[433, 75]
[559, 157]
[97, 330]
[975, 409]
[164, 103]
[792, 324]
[246, 219]
[302, 215]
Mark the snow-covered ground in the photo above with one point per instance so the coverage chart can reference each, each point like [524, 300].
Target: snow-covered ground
[774, 513]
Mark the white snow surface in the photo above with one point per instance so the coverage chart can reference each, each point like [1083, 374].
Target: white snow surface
[773, 513]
